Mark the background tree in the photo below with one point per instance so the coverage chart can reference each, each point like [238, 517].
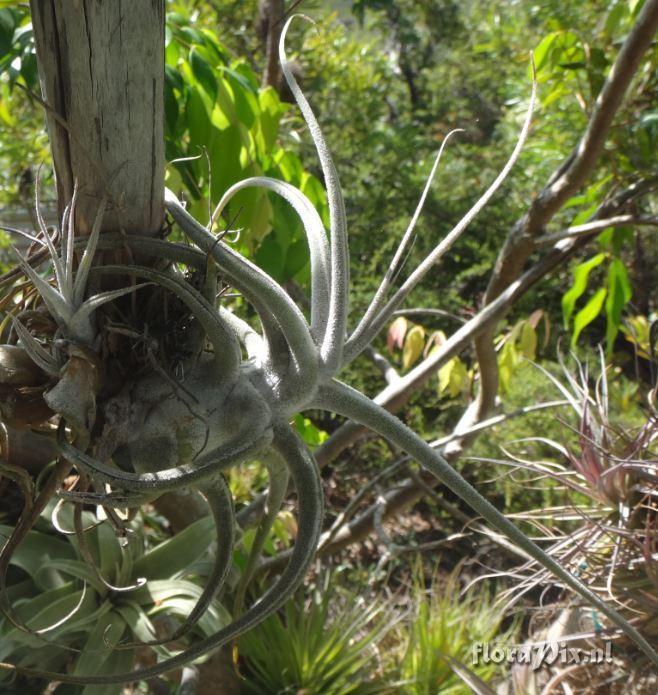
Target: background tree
[215, 114]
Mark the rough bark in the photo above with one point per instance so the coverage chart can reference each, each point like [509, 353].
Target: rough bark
[101, 66]
[273, 11]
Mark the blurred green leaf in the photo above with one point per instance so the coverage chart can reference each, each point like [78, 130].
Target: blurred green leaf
[580, 276]
[619, 294]
[414, 342]
[588, 313]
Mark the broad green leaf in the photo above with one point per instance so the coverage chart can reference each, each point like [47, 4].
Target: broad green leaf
[256, 213]
[290, 168]
[197, 119]
[5, 115]
[271, 110]
[216, 53]
[78, 570]
[119, 661]
[297, 257]
[635, 6]
[311, 434]
[188, 35]
[580, 277]
[226, 103]
[51, 607]
[508, 361]
[246, 104]
[527, 341]
[270, 257]
[614, 238]
[213, 620]
[224, 155]
[98, 656]
[110, 552]
[178, 597]
[542, 51]
[588, 313]
[154, 593]
[34, 553]
[413, 346]
[7, 26]
[137, 620]
[311, 187]
[172, 52]
[618, 14]
[453, 377]
[176, 554]
[204, 73]
[171, 109]
[619, 294]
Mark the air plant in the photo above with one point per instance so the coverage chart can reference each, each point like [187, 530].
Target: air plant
[182, 419]
[99, 613]
[612, 541]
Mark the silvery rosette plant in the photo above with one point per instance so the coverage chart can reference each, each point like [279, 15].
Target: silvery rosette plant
[223, 395]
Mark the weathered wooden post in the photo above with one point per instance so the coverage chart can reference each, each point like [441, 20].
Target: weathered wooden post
[101, 65]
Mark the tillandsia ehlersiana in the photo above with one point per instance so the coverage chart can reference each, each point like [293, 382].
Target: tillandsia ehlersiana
[181, 419]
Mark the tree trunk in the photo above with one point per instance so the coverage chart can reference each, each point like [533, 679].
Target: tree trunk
[274, 12]
[101, 66]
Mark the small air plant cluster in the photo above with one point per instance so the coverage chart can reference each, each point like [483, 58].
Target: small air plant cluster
[137, 410]
[612, 543]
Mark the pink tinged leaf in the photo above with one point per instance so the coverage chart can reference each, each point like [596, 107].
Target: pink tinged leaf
[396, 333]
[590, 465]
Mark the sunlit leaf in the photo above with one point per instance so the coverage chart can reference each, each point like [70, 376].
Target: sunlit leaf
[414, 343]
[204, 73]
[580, 277]
[174, 555]
[588, 313]
[619, 294]
[527, 341]
[453, 377]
